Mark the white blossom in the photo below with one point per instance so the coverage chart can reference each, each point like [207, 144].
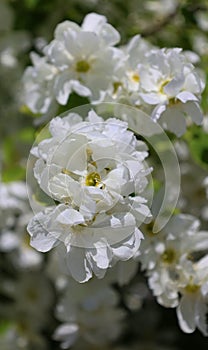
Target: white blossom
[175, 275]
[79, 59]
[94, 170]
[171, 84]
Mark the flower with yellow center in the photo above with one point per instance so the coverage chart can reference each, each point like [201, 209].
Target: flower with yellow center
[94, 172]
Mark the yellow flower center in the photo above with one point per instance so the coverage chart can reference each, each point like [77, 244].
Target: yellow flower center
[135, 77]
[149, 229]
[173, 101]
[116, 86]
[93, 179]
[191, 288]
[168, 256]
[82, 66]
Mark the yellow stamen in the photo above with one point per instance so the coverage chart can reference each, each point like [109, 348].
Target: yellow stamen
[82, 66]
[93, 179]
[116, 86]
[135, 77]
[191, 288]
[149, 229]
[164, 83]
[168, 256]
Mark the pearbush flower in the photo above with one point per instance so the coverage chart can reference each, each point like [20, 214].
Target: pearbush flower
[79, 59]
[95, 172]
[38, 81]
[92, 175]
[180, 236]
[162, 82]
[171, 83]
[175, 276]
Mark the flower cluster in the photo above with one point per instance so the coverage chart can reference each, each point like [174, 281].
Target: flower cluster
[97, 188]
[84, 60]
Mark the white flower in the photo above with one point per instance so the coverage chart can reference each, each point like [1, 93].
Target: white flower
[136, 51]
[14, 216]
[174, 274]
[180, 236]
[38, 84]
[192, 309]
[185, 287]
[95, 171]
[89, 313]
[172, 84]
[126, 82]
[79, 59]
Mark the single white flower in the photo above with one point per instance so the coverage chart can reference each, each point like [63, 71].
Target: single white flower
[180, 236]
[171, 84]
[38, 84]
[175, 276]
[79, 59]
[126, 84]
[94, 170]
[192, 309]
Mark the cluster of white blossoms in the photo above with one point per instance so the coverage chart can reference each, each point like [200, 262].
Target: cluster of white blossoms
[84, 60]
[94, 171]
[93, 176]
[176, 263]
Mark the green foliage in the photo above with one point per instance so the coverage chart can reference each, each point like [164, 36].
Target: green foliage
[31, 3]
[197, 141]
[14, 147]
[4, 326]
